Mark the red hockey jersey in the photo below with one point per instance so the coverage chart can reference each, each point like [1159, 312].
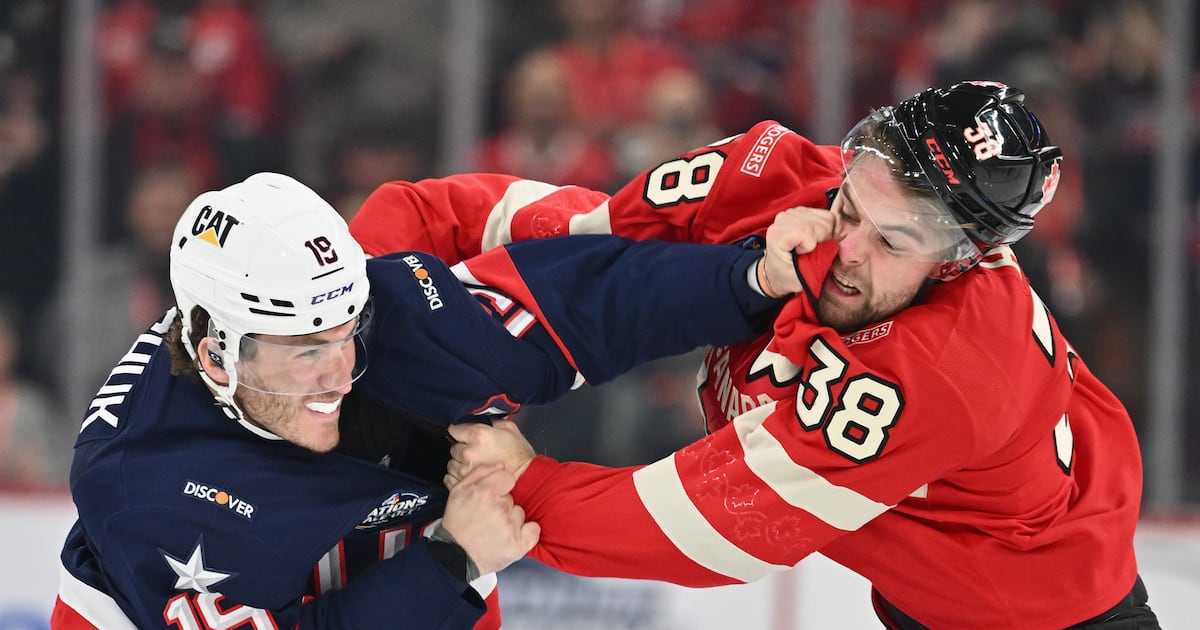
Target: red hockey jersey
[959, 455]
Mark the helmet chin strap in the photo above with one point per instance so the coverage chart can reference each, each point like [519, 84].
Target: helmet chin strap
[223, 393]
[224, 396]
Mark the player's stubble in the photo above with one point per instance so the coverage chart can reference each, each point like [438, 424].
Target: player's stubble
[288, 418]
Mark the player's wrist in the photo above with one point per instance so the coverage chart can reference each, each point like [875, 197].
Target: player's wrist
[523, 466]
[446, 550]
[762, 282]
[533, 475]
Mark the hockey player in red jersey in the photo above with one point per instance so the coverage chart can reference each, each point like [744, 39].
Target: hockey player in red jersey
[915, 415]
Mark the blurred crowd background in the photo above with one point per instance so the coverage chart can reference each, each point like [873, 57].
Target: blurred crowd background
[197, 94]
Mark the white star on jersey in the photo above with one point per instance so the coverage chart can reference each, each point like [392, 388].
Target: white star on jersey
[192, 574]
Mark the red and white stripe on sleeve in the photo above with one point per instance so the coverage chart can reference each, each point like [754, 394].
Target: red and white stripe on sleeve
[460, 216]
[82, 607]
[730, 508]
[756, 512]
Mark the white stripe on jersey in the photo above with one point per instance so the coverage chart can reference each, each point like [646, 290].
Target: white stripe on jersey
[331, 570]
[464, 275]
[595, 222]
[95, 606]
[391, 541]
[664, 497]
[838, 506]
[661, 491]
[498, 229]
[1006, 259]
[520, 323]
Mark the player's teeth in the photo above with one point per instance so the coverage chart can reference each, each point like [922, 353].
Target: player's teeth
[324, 407]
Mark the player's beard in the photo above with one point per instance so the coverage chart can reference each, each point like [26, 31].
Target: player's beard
[847, 320]
[870, 307]
[288, 418]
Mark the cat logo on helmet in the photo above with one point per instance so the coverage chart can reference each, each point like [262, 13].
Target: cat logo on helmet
[213, 226]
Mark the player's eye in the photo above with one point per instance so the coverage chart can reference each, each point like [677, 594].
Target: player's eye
[846, 217]
[890, 246]
[307, 355]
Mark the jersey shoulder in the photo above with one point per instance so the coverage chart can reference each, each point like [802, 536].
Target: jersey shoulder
[768, 169]
[446, 345]
[137, 385]
[995, 341]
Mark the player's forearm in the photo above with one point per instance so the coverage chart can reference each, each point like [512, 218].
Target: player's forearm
[616, 304]
[594, 525]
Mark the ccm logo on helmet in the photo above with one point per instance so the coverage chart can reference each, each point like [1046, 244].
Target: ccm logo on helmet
[427, 287]
[325, 297]
[213, 226]
[940, 158]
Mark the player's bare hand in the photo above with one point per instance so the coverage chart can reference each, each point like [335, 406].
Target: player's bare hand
[483, 520]
[798, 230]
[481, 444]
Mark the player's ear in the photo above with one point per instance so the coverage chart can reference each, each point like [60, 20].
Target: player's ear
[212, 360]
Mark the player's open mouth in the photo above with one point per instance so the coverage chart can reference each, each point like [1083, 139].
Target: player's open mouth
[846, 287]
[325, 408]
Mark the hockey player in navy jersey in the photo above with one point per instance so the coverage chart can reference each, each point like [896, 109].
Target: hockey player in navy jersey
[241, 466]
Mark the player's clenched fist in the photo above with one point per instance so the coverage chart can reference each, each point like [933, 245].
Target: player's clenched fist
[483, 520]
[798, 230]
[481, 445]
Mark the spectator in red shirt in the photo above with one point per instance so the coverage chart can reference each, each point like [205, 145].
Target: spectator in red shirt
[540, 141]
[609, 66]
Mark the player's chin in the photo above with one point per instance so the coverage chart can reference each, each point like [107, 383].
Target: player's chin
[321, 439]
[838, 316]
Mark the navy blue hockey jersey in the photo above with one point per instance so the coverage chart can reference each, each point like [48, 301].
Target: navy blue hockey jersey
[190, 520]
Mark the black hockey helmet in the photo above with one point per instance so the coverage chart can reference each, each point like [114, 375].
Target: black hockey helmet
[976, 149]
[999, 167]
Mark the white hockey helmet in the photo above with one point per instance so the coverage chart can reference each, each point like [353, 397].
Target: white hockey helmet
[268, 256]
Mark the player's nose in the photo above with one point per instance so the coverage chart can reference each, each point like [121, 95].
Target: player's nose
[853, 242]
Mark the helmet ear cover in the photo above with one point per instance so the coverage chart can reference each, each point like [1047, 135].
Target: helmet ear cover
[986, 155]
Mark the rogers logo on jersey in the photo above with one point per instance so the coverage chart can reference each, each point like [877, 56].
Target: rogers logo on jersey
[866, 335]
[757, 159]
[217, 496]
[422, 275]
[399, 505]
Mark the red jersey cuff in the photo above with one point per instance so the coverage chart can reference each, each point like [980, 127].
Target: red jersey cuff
[538, 471]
